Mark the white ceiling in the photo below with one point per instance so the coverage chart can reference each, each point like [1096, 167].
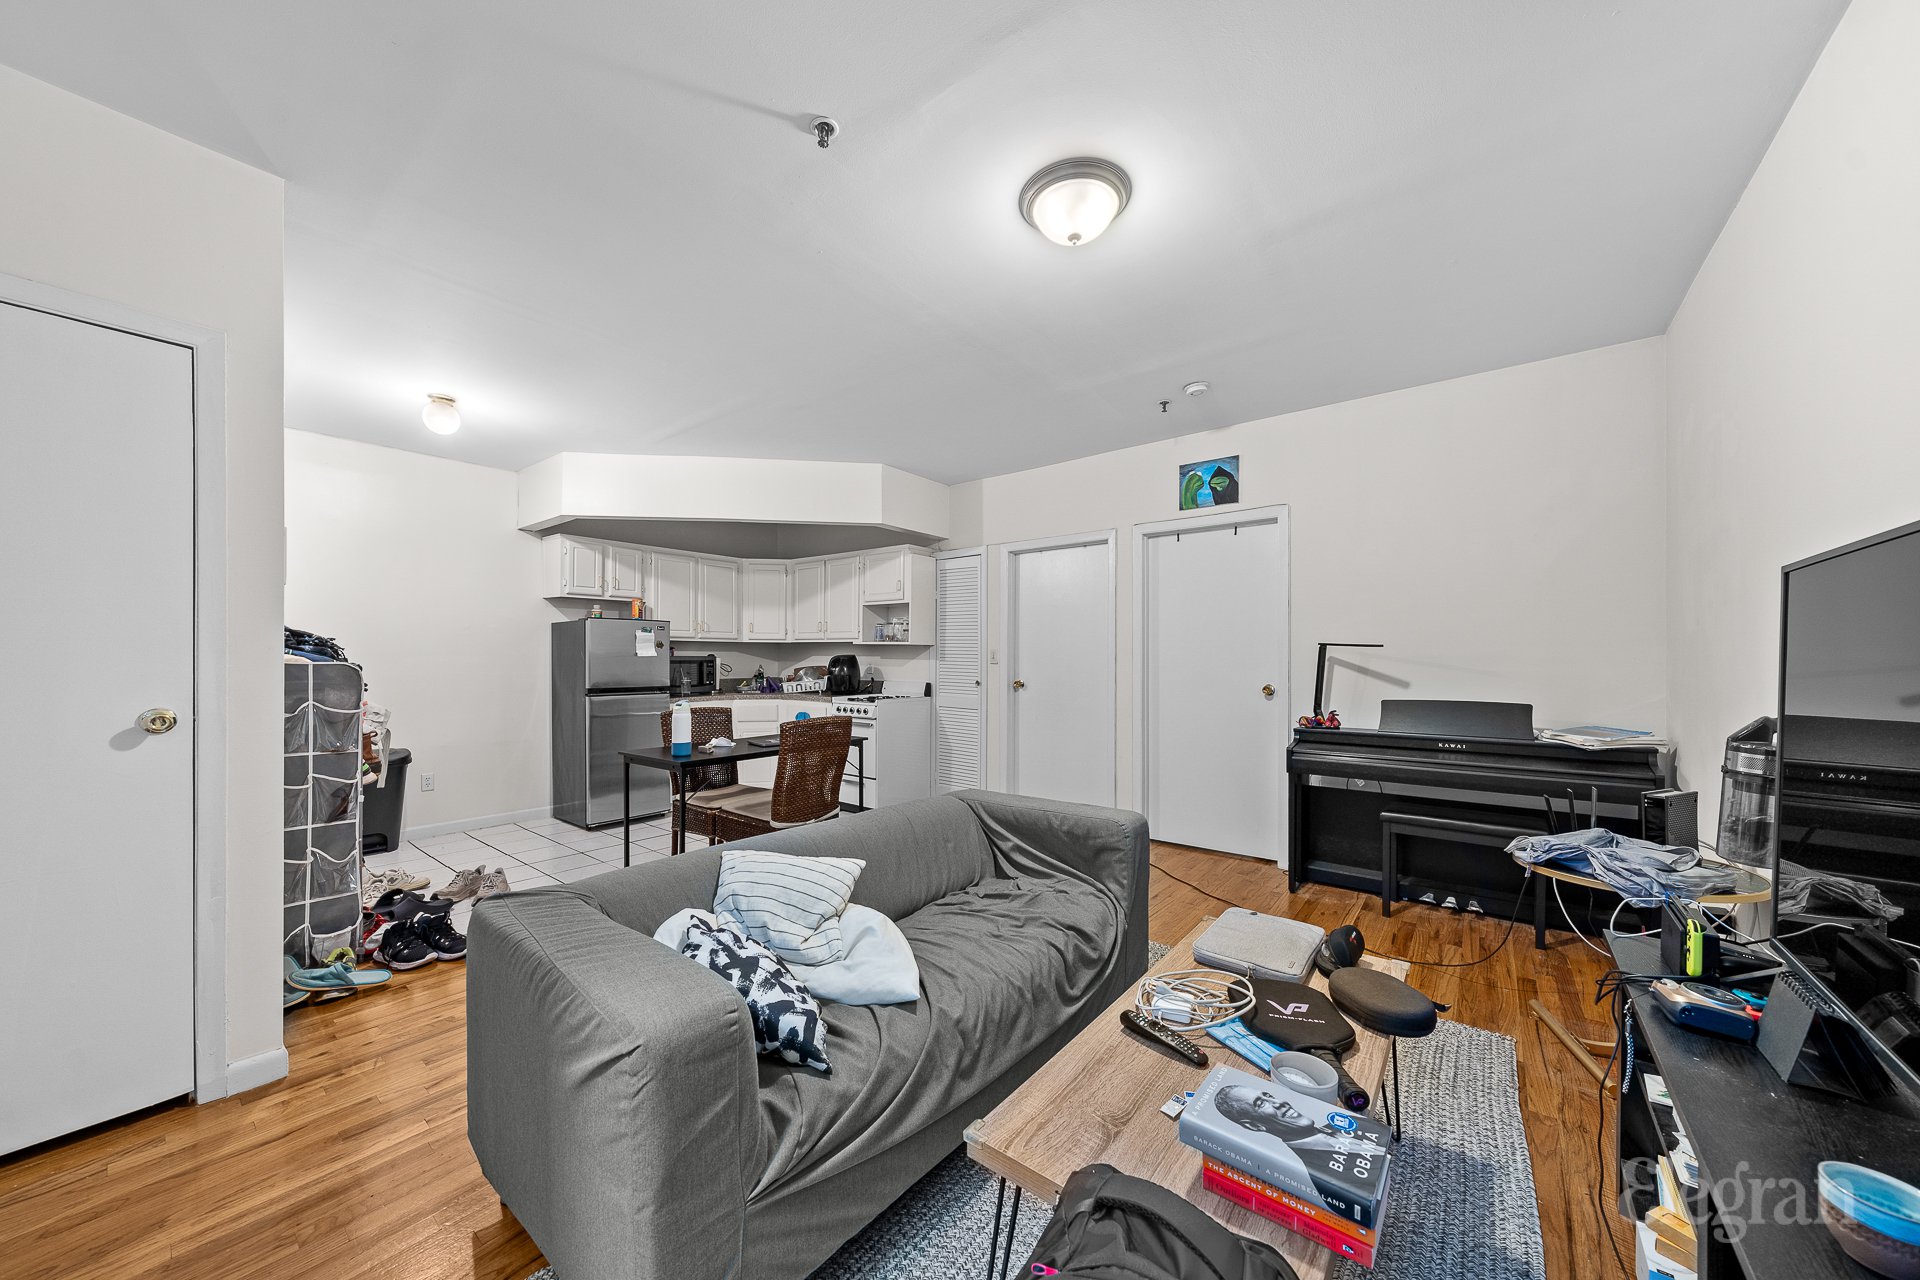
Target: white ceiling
[603, 225]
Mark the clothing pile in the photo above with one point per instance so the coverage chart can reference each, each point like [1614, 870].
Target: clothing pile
[1803, 889]
[1644, 873]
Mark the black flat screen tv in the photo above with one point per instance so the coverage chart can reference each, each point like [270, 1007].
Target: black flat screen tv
[1849, 766]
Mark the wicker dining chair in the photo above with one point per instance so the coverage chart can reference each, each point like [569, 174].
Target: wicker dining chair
[806, 781]
[708, 786]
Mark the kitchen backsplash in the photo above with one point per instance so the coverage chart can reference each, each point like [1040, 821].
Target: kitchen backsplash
[914, 666]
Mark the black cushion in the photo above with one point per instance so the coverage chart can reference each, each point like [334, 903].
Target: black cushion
[1381, 1002]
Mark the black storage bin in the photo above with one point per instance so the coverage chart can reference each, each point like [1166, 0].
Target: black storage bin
[381, 807]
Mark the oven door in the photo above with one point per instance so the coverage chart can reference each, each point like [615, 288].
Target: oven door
[854, 795]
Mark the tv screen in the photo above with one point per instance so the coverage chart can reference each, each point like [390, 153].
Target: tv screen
[1850, 724]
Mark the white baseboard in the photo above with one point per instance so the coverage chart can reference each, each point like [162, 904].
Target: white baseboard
[251, 1073]
[485, 820]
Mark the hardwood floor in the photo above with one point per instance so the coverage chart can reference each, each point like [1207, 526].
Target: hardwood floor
[357, 1164]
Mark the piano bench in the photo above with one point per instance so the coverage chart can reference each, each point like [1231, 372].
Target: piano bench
[1396, 826]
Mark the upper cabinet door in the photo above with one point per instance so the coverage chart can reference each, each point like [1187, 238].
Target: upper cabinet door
[883, 576]
[765, 611]
[626, 571]
[719, 599]
[842, 598]
[673, 592]
[807, 614]
[586, 568]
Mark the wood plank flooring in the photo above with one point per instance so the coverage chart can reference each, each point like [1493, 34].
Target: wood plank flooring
[357, 1164]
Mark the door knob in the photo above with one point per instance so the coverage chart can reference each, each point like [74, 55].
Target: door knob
[1019, 684]
[157, 720]
[1266, 691]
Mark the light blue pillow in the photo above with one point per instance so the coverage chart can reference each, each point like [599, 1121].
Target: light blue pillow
[791, 905]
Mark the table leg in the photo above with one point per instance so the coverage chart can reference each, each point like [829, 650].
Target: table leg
[626, 813]
[1389, 872]
[1539, 911]
[1006, 1253]
[680, 836]
[993, 1241]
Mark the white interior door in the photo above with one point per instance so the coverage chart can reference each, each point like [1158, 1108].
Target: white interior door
[1214, 720]
[1059, 671]
[960, 672]
[96, 1019]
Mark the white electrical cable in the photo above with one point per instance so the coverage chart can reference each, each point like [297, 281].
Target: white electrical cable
[1193, 999]
[1571, 925]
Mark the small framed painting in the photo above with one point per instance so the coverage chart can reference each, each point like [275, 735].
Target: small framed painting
[1213, 483]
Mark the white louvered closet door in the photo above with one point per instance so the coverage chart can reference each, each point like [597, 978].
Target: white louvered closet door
[960, 673]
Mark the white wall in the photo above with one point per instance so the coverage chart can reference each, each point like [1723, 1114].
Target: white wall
[1502, 534]
[102, 205]
[415, 565]
[1794, 376]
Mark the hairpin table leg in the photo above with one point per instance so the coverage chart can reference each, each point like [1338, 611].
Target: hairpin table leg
[1013, 1220]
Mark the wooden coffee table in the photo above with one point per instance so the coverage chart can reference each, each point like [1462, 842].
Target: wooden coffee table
[1098, 1101]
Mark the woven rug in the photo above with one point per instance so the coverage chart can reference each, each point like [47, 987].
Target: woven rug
[1462, 1202]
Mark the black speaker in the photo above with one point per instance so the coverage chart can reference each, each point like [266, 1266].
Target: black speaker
[1671, 818]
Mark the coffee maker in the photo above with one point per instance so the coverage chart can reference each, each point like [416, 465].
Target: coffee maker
[843, 674]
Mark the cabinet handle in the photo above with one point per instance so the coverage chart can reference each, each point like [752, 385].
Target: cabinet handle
[896, 586]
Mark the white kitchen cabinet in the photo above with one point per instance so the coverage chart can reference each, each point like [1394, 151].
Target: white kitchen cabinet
[883, 576]
[673, 591]
[807, 600]
[573, 567]
[841, 598]
[719, 598]
[765, 607]
[626, 571]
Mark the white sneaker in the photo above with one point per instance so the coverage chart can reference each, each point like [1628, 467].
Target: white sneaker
[464, 885]
[492, 882]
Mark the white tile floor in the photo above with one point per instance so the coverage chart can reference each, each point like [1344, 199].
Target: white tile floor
[532, 854]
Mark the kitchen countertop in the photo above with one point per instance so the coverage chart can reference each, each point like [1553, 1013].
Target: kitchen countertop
[731, 697]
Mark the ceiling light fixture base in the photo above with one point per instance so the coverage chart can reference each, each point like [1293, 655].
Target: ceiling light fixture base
[1073, 201]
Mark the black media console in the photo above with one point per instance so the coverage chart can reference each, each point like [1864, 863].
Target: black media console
[1758, 1142]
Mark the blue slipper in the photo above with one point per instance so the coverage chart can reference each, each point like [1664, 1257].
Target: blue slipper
[333, 977]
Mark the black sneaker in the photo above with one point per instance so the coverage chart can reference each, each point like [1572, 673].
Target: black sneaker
[437, 931]
[403, 948]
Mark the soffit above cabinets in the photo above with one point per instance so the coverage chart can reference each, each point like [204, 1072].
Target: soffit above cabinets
[600, 487]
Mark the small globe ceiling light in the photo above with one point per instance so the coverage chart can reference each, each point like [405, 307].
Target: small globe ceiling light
[1073, 201]
[441, 415]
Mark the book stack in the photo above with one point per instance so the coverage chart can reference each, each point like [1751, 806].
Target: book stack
[1316, 1169]
[1667, 1226]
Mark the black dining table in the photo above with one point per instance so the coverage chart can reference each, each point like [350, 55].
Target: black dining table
[663, 758]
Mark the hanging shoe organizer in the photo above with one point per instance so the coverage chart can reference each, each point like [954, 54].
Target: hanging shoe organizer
[321, 792]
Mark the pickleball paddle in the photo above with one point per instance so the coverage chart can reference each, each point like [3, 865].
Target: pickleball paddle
[1296, 1016]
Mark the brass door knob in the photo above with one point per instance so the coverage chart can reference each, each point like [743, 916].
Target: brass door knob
[1266, 691]
[157, 720]
[1019, 684]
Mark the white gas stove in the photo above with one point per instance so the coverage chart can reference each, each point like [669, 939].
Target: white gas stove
[897, 729]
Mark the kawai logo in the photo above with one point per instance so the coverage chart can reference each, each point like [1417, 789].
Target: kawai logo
[1835, 775]
[1452, 746]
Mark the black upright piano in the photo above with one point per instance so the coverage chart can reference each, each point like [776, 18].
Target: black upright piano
[1476, 762]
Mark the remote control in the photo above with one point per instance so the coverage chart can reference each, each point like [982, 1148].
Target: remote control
[1163, 1035]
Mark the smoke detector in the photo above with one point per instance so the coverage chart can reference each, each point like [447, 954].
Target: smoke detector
[1195, 389]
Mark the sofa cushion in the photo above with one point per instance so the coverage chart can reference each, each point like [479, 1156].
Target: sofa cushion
[792, 905]
[786, 1017]
[993, 986]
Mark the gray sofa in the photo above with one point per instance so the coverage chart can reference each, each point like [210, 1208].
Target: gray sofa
[613, 1094]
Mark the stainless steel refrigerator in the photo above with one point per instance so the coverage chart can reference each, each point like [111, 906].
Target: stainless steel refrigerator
[610, 679]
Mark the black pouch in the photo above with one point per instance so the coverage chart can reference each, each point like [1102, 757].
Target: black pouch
[1111, 1226]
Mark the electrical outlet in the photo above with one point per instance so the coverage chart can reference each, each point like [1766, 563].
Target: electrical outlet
[426, 782]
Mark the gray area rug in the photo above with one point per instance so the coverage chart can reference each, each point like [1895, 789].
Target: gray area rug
[1462, 1201]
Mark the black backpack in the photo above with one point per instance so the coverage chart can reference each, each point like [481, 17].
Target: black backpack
[1109, 1226]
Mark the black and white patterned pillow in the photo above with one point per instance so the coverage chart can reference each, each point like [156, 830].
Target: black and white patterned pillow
[786, 1017]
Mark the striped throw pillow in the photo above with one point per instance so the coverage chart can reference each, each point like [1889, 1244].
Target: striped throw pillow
[791, 904]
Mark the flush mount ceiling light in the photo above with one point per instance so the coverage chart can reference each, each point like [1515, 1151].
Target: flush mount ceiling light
[1073, 201]
[441, 415]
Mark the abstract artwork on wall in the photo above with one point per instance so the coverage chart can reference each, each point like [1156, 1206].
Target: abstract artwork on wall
[1213, 483]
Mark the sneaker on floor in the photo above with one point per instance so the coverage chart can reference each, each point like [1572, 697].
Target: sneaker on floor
[374, 884]
[402, 947]
[437, 931]
[464, 885]
[494, 881]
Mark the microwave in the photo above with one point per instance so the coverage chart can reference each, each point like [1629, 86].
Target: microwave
[694, 673]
